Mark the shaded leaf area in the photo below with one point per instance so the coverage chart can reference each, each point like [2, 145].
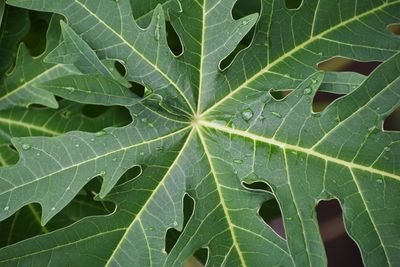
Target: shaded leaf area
[14, 25]
[210, 134]
[18, 86]
[21, 122]
[25, 223]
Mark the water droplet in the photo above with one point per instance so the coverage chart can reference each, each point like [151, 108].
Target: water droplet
[144, 120]
[313, 81]
[157, 33]
[175, 223]
[320, 54]
[66, 114]
[252, 177]
[21, 80]
[68, 188]
[6, 208]
[101, 133]
[160, 148]
[53, 208]
[114, 159]
[38, 154]
[386, 158]
[276, 114]
[238, 161]
[76, 145]
[307, 91]
[245, 22]
[70, 89]
[247, 114]
[141, 153]
[387, 149]
[26, 146]
[92, 139]
[379, 181]
[102, 173]
[235, 172]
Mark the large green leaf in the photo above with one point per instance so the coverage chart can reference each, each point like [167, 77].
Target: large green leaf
[18, 88]
[207, 133]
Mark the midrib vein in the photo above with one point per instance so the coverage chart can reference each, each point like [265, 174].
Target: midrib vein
[296, 49]
[221, 197]
[94, 158]
[378, 233]
[148, 201]
[29, 126]
[286, 146]
[201, 54]
[137, 52]
[22, 86]
[356, 112]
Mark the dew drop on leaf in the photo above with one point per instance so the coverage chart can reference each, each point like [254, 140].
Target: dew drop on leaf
[141, 153]
[157, 33]
[102, 173]
[238, 161]
[38, 154]
[175, 223]
[70, 89]
[114, 159]
[247, 114]
[276, 114]
[26, 147]
[6, 208]
[101, 133]
[387, 149]
[379, 181]
[307, 91]
[53, 208]
[66, 114]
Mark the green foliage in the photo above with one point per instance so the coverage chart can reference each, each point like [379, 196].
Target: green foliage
[204, 129]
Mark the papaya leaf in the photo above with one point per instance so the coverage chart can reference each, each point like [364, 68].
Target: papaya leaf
[207, 133]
